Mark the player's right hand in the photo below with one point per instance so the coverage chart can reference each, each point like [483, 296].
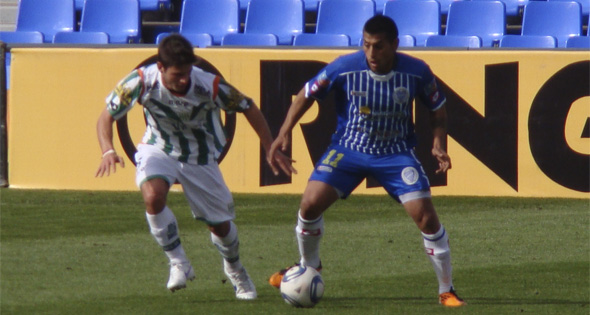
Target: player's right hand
[109, 162]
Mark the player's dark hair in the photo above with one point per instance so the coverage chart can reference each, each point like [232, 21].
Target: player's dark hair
[175, 50]
[381, 24]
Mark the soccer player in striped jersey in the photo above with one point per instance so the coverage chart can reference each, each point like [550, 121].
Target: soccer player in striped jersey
[374, 91]
[183, 139]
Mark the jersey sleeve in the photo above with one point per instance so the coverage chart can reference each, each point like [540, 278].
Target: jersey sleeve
[126, 94]
[322, 83]
[429, 91]
[228, 97]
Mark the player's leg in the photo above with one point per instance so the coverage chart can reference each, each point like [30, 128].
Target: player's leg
[225, 237]
[436, 244]
[404, 178]
[211, 201]
[154, 173]
[317, 197]
[335, 176]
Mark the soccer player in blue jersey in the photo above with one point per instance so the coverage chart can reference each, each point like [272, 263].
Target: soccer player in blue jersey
[374, 90]
[182, 142]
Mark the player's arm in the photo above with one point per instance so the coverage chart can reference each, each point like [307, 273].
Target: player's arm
[438, 120]
[110, 158]
[258, 123]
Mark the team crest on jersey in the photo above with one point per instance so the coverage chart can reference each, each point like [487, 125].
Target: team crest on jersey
[410, 175]
[401, 95]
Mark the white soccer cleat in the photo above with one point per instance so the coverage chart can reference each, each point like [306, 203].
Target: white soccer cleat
[179, 273]
[243, 285]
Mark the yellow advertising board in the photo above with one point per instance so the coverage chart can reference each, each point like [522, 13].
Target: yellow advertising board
[519, 121]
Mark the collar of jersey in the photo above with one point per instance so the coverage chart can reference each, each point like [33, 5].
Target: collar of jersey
[381, 77]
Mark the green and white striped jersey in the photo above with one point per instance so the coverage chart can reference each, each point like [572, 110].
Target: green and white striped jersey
[186, 127]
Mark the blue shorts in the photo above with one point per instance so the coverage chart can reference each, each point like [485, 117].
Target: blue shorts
[344, 169]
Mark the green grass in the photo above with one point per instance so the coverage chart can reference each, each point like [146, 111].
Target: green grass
[66, 252]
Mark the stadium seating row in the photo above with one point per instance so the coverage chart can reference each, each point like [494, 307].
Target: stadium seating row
[482, 23]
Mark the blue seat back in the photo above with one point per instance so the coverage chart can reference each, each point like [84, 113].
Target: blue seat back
[556, 18]
[445, 4]
[406, 41]
[485, 19]
[197, 39]
[249, 40]
[283, 18]
[321, 40]
[528, 41]
[46, 16]
[585, 4]
[217, 18]
[22, 37]
[155, 5]
[418, 18]
[578, 42]
[344, 17]
[514, 8]
[81, 38]
[118, 18]
[453, 41]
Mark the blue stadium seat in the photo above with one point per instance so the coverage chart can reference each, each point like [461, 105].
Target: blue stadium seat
[46, 16]
[514, 8]
[380, 5]
[155, 5]
[407, 41]
[284, 18]
[217, 18]
[201, 40]
[418, 18]
[445, 4]
[321, 40]
[250, 40]
[556, 18]
[578, 42]
[311, 5]
[344, 17]
[485, 19]
[22, 37]
[453, 41]
[530, 41]
[144, 5]
[81, 38]
[585, 4]
[118, 18]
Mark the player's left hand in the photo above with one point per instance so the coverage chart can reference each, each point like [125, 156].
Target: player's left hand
[278, 160]
[444, 161]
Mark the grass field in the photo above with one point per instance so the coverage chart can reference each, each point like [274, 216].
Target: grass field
[91, 253]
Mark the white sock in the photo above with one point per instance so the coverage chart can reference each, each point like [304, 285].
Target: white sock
[309, 234]
[437, 249]
[164, 229]
[229, 248]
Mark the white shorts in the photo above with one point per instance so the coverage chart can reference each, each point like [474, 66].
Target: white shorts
[209, 198]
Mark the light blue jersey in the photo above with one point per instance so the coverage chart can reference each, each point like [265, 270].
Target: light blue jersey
[375, 113]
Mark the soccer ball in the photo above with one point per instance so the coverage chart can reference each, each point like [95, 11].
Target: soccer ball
[302, 286]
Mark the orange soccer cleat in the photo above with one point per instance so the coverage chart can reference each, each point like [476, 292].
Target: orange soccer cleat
[450, 299]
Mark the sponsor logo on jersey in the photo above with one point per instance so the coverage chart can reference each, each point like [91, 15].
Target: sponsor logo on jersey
[322, 81]
[358, 93]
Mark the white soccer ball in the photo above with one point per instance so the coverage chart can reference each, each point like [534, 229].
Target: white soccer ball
[302, 286]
